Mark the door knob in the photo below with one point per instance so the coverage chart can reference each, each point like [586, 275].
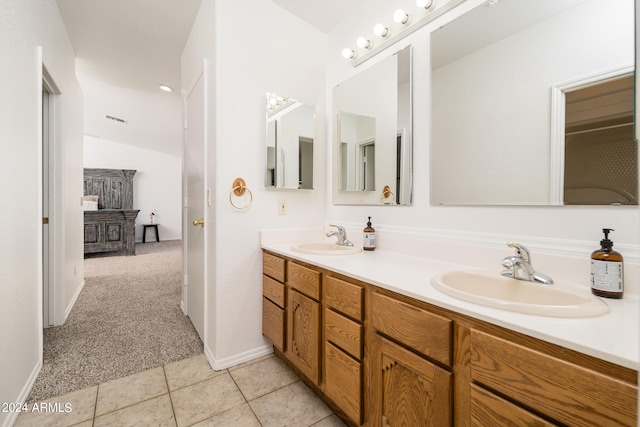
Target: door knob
[198, 222]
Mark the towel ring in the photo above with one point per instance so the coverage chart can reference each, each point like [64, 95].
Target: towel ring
[386, 193]
[239, 188]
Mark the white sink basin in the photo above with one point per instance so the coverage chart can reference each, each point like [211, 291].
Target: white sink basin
[491, 289]
[324, 248]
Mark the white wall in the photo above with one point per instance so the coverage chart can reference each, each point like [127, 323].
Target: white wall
[572, 227]
[24, 25]
[268, 50]
[156, 185]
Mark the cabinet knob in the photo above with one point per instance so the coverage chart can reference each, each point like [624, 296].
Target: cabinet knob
[198, 222]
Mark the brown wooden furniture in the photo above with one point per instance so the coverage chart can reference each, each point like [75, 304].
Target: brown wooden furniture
[112, 227]
[379, 358]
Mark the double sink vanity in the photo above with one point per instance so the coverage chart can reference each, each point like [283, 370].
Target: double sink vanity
[389, 339]
[412, 336]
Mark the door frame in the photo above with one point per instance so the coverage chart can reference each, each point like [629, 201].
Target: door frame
[53, 291]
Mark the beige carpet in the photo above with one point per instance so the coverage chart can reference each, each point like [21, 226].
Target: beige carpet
[127, 319]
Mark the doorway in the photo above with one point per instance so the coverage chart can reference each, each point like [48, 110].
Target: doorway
[585, 112]
[600, 151]
[50, 289]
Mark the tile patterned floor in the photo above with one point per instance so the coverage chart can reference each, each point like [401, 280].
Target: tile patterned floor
[262, 392]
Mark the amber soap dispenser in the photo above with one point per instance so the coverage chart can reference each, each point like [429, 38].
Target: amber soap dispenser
[607, 278]
[369, 237]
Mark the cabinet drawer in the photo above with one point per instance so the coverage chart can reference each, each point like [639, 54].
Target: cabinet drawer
[273, 266]
[566, 392]
[343, 332]
[304, 279]
[343, 382]
[273, 290]
[424, 332]
[273, 323]
[489, 410]
[344, 297]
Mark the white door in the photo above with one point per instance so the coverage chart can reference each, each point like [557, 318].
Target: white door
[194, 209]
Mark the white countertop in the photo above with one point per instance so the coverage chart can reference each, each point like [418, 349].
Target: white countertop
[613, 337]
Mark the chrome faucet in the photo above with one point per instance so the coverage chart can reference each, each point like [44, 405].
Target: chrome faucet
[519, 266]
[341, 234]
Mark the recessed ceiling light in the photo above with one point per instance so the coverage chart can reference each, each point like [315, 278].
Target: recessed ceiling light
[165, 88]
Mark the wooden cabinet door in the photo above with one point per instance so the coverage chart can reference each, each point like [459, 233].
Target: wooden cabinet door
[273, 323]
[407, 389]
[303, 334]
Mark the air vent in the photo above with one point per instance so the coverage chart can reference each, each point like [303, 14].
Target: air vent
[116, 119]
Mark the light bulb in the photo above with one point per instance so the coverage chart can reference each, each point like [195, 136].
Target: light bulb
[424, 3]
[348, 53]
[363, 43]
[380, 30]
[400, 16]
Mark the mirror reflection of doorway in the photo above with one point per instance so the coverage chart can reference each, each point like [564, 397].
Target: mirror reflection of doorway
[367, 160]
[600, 151]
[305, 163]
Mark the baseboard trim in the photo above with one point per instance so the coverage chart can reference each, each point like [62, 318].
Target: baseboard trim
[218, 365]
[24, 394]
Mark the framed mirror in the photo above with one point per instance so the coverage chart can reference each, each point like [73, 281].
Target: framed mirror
[532, 104]
[289, 143]
[373, 146]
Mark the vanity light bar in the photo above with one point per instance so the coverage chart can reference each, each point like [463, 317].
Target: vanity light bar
[405, 26]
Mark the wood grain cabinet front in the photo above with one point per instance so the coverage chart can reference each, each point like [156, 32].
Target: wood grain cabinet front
[427, 333]
[490, 410]
[273, 299]
[273, 266]
[344, 345]
[409, 390]
[304, 279]
[303, 334]
[343, 381]
[564, 392]
[273, 323]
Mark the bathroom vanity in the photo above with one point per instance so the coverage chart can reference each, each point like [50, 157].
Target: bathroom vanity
[382, 354]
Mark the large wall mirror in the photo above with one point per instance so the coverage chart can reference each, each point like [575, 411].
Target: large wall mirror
[372, 162]
[290, 133]
[532, 104]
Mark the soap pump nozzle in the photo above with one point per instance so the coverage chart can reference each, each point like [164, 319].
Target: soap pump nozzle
[606, 243]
